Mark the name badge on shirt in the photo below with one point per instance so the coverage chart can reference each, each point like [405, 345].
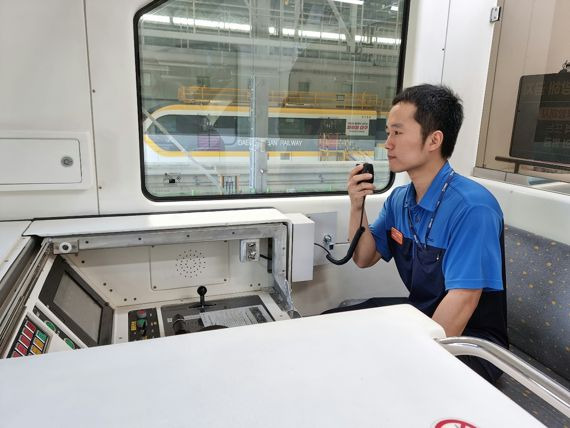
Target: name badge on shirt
[397, 235]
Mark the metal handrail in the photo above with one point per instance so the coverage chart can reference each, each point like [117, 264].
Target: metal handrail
[546, 388]
[518, 162]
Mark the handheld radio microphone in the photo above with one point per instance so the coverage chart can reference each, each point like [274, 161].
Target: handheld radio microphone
[367, 168]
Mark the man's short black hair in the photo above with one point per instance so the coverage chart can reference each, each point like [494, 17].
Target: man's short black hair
[437, 108]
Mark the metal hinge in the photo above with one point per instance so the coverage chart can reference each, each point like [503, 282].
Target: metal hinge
[495, 14]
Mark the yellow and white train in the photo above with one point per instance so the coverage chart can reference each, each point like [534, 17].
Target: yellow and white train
[305, 134]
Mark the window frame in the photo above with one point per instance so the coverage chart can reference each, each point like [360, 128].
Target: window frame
[138, 76]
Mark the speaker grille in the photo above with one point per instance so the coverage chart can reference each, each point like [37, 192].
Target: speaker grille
[190, 263]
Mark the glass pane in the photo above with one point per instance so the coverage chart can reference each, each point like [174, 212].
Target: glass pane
[528, 133]
[78, 306]
[281, 97]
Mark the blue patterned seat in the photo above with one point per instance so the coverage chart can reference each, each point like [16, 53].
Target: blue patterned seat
[538, 316]
[538, 302]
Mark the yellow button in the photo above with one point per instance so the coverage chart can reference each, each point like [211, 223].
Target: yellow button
[38, 343]
[133, 325]
[35, 350]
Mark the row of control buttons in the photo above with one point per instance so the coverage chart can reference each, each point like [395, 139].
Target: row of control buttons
[54, 328]
[143, 324]
[67, 340]
[31, 340]
[140, 323]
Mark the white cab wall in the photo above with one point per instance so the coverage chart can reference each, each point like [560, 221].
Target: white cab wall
[449, 42]
[44, 93]
[425, 50]
[467, 55]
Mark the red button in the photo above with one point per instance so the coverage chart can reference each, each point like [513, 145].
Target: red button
[21, 349]
[29, 334]
[24, 340]
[31, 326]
[16, 354]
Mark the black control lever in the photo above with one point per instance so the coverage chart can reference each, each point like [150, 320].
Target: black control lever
[202, 305]
[202, 292]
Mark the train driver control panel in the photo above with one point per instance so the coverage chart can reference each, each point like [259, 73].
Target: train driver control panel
[83, 289]
[194, 317]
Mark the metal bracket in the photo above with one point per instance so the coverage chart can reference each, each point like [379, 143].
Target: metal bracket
[66, 247]
[495, 14]
[249, 250]
[328, 241]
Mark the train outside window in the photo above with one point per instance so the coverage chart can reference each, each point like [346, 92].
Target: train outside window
[296, 94]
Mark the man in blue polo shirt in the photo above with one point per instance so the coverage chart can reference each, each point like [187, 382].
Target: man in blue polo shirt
[443, 230]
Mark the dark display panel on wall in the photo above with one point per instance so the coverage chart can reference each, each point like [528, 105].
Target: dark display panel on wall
[541, 130]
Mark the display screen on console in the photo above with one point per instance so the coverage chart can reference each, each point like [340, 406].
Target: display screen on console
[79, 306]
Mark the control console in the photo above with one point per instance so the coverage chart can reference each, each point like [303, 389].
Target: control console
[199, 316]
[52, 326]
[143, 324]
[232, 312]
[30, 340]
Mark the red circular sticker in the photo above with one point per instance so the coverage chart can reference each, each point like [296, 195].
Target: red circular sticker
[453, 423]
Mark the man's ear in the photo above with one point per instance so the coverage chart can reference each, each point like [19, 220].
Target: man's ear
[434, 141]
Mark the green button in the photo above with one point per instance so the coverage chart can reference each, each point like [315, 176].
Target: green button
[141, 323]
[50, 325]
[69, 343]
[41, 335]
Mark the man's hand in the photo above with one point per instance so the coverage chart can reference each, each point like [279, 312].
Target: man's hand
[357, 188]
[365, 254]
[455, 310]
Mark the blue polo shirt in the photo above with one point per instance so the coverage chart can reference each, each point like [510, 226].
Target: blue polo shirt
[464, 248]
[467, 226]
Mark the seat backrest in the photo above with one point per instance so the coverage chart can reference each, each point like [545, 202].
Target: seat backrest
[538, 298]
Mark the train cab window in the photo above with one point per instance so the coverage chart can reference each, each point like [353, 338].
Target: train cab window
[227, 125]
[526, 139]
[282, 98]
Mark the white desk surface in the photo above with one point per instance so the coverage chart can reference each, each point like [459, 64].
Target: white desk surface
[11, 242]
[149, 222]
[371, 368]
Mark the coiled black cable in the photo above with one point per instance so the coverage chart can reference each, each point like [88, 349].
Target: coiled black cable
[353, 244]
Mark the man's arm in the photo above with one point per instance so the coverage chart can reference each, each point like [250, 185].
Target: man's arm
[471, 263]
[455, 310]
[365, 254]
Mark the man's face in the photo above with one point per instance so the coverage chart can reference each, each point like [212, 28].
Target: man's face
[405, 147]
